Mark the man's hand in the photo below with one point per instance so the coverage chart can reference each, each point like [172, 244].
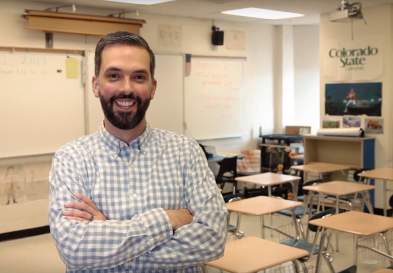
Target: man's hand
[179, 217]
[82, 210]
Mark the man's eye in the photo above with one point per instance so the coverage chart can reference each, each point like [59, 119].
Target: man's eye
[113, 76]
[140, 77]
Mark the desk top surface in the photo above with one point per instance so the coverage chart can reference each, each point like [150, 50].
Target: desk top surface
[339, 187]
[379, 173]
[321, 167]
[261, 205]
[355, 222]
[252, 254]
[384, 270]
[268, 179]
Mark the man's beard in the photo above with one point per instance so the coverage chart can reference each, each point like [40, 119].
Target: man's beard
[124, 120]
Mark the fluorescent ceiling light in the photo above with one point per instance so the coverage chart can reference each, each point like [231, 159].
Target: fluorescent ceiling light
[141, 2]
[262, 13]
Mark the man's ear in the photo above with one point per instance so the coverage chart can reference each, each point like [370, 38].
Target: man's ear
[153, 90]
[94, 83]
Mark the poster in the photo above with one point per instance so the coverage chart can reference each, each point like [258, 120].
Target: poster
[353, 99]
[352, 121]
[330, 123]
[373, 125]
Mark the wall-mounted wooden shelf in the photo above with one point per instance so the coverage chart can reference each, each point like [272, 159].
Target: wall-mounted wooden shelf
[50, 21]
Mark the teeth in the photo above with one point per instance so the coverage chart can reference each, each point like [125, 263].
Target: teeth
[125, 102]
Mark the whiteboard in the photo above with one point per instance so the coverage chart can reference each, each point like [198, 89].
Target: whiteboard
[166, 108]
[41, 108]
[213, 97]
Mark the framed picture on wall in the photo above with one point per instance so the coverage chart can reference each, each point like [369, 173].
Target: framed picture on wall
[373, 125]
[353, 99]
[327, 123]
[352, 121]
[23, 198]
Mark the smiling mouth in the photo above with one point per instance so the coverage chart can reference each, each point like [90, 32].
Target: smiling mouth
[125, 103]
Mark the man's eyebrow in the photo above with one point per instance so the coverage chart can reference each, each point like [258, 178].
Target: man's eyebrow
[112, 69]
[141, 71]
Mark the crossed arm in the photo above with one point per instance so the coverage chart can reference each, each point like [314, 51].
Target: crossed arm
[159, 237]
[84, 209]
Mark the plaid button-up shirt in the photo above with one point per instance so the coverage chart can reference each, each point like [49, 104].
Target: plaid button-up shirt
[132, 184]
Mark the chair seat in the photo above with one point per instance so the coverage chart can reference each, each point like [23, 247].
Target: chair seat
[302, 244]
[231, 228]
[299, 212]
[351, 269]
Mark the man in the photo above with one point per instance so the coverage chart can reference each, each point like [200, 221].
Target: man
[131, 198]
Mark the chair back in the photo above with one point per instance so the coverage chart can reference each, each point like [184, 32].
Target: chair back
[228, 169]
[319, 215]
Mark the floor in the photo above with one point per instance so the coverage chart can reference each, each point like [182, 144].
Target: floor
[38, 254]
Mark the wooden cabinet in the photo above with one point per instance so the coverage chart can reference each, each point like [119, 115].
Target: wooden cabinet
[354, 151]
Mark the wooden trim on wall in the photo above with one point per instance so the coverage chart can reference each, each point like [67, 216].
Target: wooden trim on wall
[37, 49]
[65, 22]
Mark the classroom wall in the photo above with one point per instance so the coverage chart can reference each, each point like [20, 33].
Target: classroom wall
[194, 38]
[296, 76]
[306, 75]
[377, 32]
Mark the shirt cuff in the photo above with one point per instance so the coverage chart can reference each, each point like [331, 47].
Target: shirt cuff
[157, 223]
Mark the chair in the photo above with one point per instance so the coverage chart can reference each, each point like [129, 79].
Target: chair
[311, 246]
[208, 155]
[227, 173]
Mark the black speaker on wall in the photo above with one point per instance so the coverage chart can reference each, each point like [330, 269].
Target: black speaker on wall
[217, 36]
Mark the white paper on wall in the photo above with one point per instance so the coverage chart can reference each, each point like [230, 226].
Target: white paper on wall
[353, 60]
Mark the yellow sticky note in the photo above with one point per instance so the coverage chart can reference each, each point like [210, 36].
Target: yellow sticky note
[72, 68]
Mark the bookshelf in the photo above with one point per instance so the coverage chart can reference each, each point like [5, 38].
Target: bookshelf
[358, 152]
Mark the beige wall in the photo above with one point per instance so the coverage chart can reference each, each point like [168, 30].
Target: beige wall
[194, 38]
[377, 31]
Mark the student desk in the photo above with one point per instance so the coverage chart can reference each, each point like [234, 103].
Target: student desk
[359, 224]
[261, 205]
[320, 168]
[338, 189]
[252, 254]
[380, 174]
[271, 179]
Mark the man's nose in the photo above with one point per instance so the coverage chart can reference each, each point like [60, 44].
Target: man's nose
[127, 85]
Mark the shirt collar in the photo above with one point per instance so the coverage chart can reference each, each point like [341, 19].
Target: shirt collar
[118, 145]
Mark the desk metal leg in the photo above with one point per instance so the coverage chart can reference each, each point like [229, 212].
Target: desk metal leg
[296, 267]
[310, 197]
[387, 248]
[366, 198]
[355, 249]
[269, 192]
[321, 243]
[262, 225]
[297, 228]
[295, 185]
[385, 196]
[336, 233]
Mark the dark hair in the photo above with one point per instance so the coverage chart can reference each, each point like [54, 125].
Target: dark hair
[126, 38]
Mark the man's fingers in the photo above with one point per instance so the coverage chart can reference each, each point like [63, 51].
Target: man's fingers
[76, 218]
[80, 206]
[85, 204]
[86, 200]
[78, 214]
